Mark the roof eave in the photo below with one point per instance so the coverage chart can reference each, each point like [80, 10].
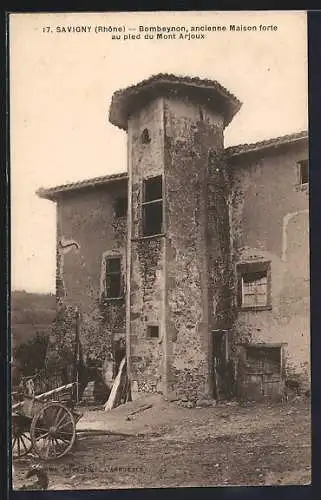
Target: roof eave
[124, 100]
[45, 194]
[53, 194]
[258, 147]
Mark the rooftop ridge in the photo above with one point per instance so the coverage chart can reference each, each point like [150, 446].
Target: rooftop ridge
[266, 143]
[49, 193]
[232, 151]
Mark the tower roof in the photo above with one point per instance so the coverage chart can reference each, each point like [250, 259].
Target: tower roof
[126, 101]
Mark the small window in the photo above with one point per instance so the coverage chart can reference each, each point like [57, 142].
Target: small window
[152, 331]
[113, 277]
[153, 206]
[263, 359]
[260, 353]
[145, 137]
[303, 172]
[254, 285]
[120, 207]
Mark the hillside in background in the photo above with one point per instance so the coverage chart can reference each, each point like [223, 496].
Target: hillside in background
[31, 313]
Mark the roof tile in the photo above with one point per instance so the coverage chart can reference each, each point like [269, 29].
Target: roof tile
[122, 100]
[53, 192]
[233, 151]
[268, 143]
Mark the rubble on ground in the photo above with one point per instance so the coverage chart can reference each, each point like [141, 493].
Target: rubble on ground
[201, 401]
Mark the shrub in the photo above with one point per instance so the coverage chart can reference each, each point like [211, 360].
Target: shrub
[30, 356]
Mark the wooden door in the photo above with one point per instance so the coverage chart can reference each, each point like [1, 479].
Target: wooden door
[262, 377]
[220, 361]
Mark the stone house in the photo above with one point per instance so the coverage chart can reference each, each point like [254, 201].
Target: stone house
[194, 262]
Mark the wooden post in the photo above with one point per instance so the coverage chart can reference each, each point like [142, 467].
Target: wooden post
[77, 355]
[216, 386]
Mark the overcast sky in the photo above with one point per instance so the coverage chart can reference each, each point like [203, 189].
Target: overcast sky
[61, 86]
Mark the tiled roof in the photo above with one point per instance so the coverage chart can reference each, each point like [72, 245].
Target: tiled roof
[54, 192]
[233, 151]
[268, 143]
[124, 101]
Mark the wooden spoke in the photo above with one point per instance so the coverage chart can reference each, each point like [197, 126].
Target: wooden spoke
[61, 421]
[64, 440]
[56, 439]
[63, 424]
[41, 429]
[48, 448]
[26, 436]
[54, 446]
[59, 412]
[21, 442]
[42, 436]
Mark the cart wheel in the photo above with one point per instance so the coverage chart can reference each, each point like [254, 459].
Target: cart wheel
[53, 431]
[21, 440]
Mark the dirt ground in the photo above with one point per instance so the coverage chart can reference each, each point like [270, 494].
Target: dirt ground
[170, 446]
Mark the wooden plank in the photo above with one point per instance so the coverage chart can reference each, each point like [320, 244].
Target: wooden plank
[142, 408]
[111, 402]
[216, 388]
[46, 394]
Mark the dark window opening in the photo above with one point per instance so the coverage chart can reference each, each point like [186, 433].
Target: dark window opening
[113, 265]
[254, 285]
[153, 189]
[152, 215]
[152, 332]
[145, 137]
[263, 359]
[113, 277]
[303, 171]
[153, 206]
[120, 207]
[257, 353]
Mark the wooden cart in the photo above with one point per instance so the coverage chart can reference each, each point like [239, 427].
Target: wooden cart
[45, 427]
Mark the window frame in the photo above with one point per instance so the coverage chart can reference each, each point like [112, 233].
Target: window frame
[255, 363]
[117, 200]
[249, 268]
[150, 328]
[153, 202]
[113, 273]
[299, 163]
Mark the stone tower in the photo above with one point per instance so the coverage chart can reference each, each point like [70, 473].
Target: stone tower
[178, 257]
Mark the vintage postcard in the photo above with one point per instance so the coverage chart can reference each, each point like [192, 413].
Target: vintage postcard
[160, 249]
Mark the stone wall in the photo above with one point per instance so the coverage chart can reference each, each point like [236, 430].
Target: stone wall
[270, 222]
[146, 253]
[192, 132]
[87, 218]
[217, 213]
